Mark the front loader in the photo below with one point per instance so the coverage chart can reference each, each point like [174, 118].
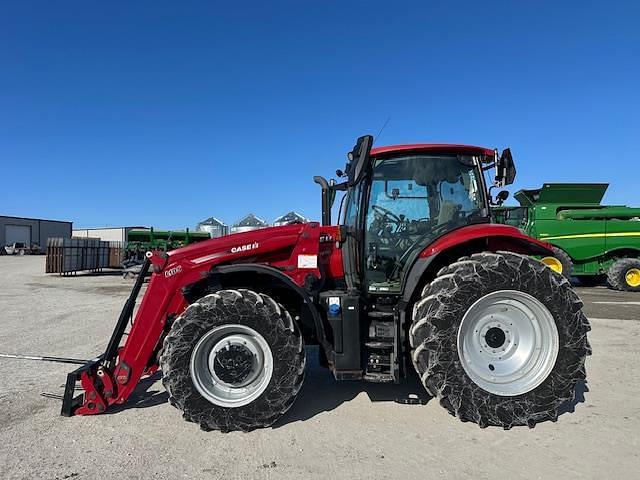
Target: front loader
[413, 278]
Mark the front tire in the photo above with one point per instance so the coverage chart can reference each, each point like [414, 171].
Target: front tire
[500, 339]
[234, 360]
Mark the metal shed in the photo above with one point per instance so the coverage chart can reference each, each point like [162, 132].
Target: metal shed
[112, 234]
[32, 230]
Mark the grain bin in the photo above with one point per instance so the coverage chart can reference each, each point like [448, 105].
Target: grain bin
[290, 218]
[248, 223]
[213, 226]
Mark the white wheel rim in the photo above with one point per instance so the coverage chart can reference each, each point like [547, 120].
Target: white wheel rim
[213, 364]
[508, 342]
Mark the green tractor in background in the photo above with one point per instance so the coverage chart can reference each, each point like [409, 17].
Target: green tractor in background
[592, 241]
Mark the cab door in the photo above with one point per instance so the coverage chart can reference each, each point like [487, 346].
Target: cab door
[352, 230]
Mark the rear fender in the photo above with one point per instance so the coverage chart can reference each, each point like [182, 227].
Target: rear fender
[463, 242]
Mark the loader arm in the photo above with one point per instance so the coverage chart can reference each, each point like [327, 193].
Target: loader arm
[112, 377]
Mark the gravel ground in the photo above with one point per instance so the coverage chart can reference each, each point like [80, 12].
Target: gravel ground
[334, 430]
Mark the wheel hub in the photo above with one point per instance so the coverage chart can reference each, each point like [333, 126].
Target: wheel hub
[633, 277]
[495, 337]
[231, 365]
[508, 342]
[553, 263]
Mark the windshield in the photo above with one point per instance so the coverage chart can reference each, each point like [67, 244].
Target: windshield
[414, 199]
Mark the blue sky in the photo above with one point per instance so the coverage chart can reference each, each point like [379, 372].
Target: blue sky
[164, 113]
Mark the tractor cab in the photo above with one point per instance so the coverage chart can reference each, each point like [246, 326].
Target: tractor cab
[400, 199]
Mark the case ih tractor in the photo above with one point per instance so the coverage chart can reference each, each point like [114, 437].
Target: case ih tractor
[414, 277]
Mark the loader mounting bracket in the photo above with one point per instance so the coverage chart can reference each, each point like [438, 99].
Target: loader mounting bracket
[70, 403]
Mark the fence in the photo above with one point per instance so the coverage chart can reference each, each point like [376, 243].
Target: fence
[70, 255]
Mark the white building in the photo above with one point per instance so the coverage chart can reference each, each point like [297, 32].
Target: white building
[111, 234]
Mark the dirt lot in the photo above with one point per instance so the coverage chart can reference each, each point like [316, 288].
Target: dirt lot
[335, 430]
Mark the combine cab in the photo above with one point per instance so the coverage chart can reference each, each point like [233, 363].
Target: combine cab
[414, 278]
[591, 241]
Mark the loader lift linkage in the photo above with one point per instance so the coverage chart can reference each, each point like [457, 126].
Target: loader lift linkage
[86, 374]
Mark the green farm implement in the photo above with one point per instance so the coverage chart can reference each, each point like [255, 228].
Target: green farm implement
[140, 241]
[592, 241]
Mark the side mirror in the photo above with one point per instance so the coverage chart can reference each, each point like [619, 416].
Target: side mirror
[501, 197]
[505, 169]
[358, 160]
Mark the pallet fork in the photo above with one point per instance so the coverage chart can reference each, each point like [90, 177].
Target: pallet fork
[94, 372]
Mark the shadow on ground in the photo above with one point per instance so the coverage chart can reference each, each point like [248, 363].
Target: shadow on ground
[570, 407]
[142, 396]
[322, 393]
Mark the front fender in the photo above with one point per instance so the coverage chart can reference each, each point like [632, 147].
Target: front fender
[276, 276]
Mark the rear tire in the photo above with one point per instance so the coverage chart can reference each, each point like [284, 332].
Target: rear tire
[624, 275]
[513, 304]
[234, 360]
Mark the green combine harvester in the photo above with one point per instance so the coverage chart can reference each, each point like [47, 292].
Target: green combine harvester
[592, 241]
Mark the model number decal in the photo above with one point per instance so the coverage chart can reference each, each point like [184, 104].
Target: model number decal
[244, 248]
[307, 261]
[173, 271]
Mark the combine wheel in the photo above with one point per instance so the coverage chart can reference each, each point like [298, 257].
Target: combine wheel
[625, 275]
[500, 339]
[560, 262]
[234, 360]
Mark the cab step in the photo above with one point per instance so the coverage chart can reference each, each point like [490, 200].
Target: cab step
[380, 315]
[378, 378]
[377, 345]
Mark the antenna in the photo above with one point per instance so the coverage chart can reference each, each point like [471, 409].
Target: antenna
[382, 129]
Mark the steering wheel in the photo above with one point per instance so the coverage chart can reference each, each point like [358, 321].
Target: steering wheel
[383, 213]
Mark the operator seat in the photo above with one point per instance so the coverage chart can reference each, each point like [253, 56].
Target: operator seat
[447, 212]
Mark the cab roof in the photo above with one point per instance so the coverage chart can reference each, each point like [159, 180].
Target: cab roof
[431, 147]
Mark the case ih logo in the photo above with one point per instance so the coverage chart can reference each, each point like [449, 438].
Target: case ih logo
[244, 248]
[173, 271]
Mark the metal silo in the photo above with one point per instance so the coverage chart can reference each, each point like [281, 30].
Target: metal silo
[289, 218]
[248, 223]
[216, 228]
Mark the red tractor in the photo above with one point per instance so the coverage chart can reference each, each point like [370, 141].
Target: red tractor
[414, 277]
